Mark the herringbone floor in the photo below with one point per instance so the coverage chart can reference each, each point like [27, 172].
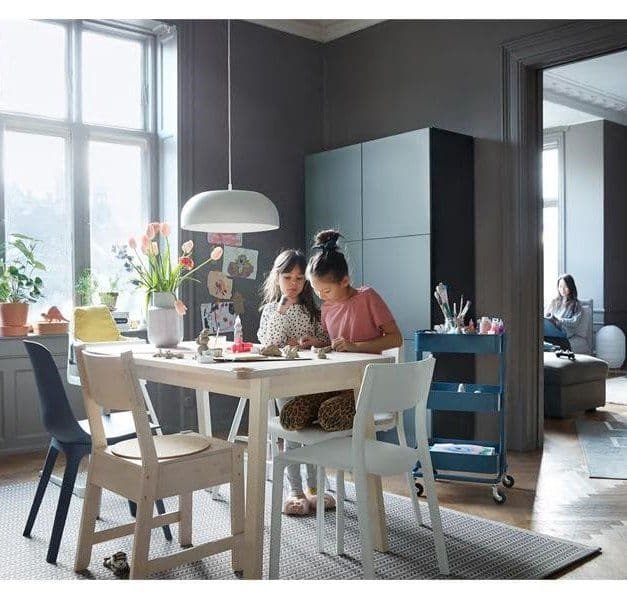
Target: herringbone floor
[553, 495]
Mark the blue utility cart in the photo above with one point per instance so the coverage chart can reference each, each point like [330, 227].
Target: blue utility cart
[468, 397]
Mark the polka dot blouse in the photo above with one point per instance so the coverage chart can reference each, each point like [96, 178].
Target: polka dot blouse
[275, 328]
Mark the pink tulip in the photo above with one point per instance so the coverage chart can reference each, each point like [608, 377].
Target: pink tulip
[151, 231]
[187, 247]
[180, 308]
[132, 243]
[154, 248]
[165, 229]
[216, 253]
[145, 244]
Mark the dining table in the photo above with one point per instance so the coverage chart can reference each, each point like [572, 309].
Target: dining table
[260, 381]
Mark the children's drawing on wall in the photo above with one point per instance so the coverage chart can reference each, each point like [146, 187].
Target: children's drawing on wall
[240, 262]
[219, 285]
[225, 239]
[218, 315]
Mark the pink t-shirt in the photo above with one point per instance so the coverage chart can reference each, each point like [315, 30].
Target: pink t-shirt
[358, 319]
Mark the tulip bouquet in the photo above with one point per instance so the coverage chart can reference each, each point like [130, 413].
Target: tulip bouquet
[153, 264]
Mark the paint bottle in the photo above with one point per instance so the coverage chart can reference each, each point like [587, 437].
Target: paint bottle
[237, 330]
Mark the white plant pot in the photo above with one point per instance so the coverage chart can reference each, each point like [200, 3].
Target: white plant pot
[163, 324]
[610, 345]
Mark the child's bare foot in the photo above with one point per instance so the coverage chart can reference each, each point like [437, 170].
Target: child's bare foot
[312, 496]
[297, 504]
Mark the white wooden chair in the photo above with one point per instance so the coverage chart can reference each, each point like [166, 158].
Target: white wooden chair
[149, 468]
[385, 388]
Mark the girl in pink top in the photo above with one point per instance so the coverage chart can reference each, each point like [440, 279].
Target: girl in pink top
[357, 320]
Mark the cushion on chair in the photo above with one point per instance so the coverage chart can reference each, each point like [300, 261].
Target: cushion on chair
[95, 324]
[166, 446]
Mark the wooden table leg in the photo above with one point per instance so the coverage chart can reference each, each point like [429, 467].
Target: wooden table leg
[256, 478]
[376, 507]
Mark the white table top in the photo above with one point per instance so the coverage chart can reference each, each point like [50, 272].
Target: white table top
[144, 357]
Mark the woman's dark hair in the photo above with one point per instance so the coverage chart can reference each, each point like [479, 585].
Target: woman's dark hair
[285, 263]
[569, 280]
[327, 262]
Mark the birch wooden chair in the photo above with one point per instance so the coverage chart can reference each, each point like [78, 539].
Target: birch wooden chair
[151, 467]
[385, 388]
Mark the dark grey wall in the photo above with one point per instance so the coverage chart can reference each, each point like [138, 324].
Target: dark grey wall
[615, 218]
[276, 120]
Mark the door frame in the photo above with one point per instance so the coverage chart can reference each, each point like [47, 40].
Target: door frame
[523, 61]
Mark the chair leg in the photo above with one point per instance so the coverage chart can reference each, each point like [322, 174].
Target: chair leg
[434, 511]
[367, 558]
[237, 419]
[185, 523]
[51, 458]
[141, 539]
[69, 477]
[320, 506]
[132, 506]
[91, 508]
[278, 469]
[411, 486]
[237, 508]
[166, 528]
[339, 514]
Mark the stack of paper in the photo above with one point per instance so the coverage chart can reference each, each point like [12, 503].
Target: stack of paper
[464, 449]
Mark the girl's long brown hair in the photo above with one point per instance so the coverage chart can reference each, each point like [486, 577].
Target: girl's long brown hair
[285, 263]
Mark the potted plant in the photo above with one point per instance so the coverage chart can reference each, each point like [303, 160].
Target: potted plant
[110, 297]
[160, 273]
[19, 286]
[86, 287]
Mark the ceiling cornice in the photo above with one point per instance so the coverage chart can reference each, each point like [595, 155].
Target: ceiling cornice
[315, 29]
[566, 91]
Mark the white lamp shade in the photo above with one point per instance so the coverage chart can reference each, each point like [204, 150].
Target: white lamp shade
[229, 211]
[611, 345]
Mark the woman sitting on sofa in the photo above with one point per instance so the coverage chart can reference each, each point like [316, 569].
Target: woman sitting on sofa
[563, 314]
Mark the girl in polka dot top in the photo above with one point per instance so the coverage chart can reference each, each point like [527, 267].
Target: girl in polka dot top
[290, 316]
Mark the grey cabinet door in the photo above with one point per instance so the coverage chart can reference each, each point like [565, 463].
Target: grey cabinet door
[396, 188]
[333, 192]
[354, 258]
[399, 269]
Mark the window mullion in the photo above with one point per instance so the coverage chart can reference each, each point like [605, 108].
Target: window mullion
[80, 191]
[2, 204]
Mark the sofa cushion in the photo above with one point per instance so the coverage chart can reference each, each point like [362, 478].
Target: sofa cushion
[562, 371]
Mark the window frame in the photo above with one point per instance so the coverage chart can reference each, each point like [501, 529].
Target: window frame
[554, 139]
[79, 134]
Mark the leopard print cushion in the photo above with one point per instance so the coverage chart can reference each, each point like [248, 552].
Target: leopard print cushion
[334, 411]
[337, 413]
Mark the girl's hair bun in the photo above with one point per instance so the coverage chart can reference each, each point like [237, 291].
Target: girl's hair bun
[327, 240]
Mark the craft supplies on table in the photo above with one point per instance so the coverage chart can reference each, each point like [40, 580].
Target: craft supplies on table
[488, 465]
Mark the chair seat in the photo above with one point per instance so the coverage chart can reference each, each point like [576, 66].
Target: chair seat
[381, 458]
[118, 426]
[315, 435]
[176, 445]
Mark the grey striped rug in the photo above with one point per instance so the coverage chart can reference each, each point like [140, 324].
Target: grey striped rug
[478, 548]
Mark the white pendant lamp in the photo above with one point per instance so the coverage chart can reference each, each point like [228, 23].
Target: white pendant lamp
[229, 211]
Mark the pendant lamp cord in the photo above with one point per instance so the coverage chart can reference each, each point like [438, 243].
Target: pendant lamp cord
[228, 54]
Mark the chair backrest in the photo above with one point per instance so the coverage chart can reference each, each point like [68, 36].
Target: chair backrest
[395, 353]
[56, 413]
[393, 388]
[111, 383]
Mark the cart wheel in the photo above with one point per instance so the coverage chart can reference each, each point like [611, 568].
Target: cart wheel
[420, 490]
[498, 496]
[508, 481]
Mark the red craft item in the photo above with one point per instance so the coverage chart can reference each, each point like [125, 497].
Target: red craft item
[242, 347]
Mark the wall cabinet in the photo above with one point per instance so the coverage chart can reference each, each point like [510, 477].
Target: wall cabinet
[405, 204]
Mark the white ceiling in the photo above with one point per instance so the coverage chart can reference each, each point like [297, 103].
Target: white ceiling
[596, 87]
[558, 115]
[320, 30]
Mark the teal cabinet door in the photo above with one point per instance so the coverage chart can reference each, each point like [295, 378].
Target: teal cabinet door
[399, 269]
[396, 188]
[333, 192]
[354, 258]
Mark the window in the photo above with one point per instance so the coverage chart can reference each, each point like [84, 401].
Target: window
[553, 213]
[79, 146]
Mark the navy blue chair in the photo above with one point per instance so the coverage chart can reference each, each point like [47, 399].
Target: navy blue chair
[70, 437]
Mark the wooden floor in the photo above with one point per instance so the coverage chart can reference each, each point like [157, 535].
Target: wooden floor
[553, 495]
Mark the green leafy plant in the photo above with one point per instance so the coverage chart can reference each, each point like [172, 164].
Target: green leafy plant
[18, 283]
[86, 286]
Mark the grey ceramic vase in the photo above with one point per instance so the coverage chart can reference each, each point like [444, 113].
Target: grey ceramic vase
[164, 325]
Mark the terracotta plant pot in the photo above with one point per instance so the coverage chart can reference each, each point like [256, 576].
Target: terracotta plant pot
[13, 317]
